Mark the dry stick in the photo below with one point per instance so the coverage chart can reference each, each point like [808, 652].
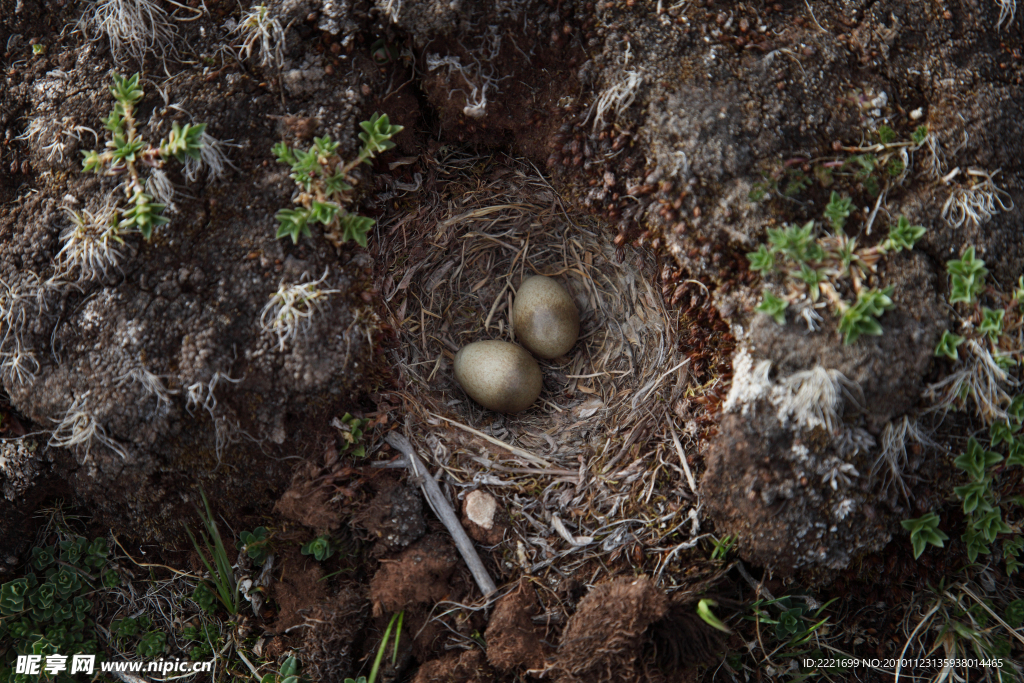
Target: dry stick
[444, 512]
[526, 455]
[682, 458]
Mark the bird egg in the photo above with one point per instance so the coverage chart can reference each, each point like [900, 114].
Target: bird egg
[498, 375]
[545, 318]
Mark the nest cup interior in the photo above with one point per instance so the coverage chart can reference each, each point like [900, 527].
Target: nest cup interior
[449, 277]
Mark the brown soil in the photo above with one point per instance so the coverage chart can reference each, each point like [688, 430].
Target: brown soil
[514, 640]
[604, 640]
[465, 667]
[394, 516]
[653, 122]
[417, 575]
[299, 589]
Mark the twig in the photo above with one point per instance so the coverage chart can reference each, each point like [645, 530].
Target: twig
[444, 512]
[682, 458]
[871, 218]
[536, 460]
[758, 587]
[150, 564]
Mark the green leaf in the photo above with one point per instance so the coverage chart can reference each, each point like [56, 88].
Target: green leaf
[846, 254]
[860, 318]
[221, 572]
[1016, 408]
[126, 90]
[947, 345]
[93, 162]
[42, 600]
[798, 243]
[324, 147]
[324, 212]
[144, 214]
[886, 134]
[838, 210]
[790, 623]
[114, 122]
[976, 496]
[66, 581]
[992, 323]
[110, 579]
[773, 306]
[990, 524]
[903, 235]
[335, 184]
[924, 531]
[320, 548]
[976, 460]
[798, 182]
[1015, 455]
[183, 143]
[124, 149]
[919, 135]
[255, 544]
[151, 645]
[377, 134]
[290, 667]
[356, 227]
[284, 154]
[306, 168]
[14, 595]
[42, 558]
[71, 551]
[294, 223]
[967, 277]
[1014, 614]
[704, 612]
[762, 259]
[812, 278]
[999, 431]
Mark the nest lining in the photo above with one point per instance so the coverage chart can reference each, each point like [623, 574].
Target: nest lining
[598, 464]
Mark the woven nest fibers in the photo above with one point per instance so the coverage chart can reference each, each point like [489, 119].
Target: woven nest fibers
[597, 467]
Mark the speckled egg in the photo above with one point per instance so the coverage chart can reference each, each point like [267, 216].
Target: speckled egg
[545, 318]
[498, 375]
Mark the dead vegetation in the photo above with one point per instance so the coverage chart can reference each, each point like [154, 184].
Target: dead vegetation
[600, 471]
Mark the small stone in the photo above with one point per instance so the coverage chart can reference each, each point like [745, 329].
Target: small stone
[480, 509]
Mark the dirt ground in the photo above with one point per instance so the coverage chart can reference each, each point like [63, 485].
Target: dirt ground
[690, 458]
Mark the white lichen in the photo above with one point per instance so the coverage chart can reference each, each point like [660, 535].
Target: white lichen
[806, 399]
[836, 472]
[201, 394]
[893, 456]
[212, 156]
[150, 384]
[617, 98]
[479, 77]
[813, 398]
[1007, 11]
[18, 364]
[134, 28]
[291, 309]
[260, 27]
[79, 428]
[53, 138]
[976, 203]
[90, 245]
[976, 375]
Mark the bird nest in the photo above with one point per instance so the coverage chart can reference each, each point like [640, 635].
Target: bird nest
[602, 466]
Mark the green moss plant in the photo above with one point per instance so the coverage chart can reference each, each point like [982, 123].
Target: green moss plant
[325, 180]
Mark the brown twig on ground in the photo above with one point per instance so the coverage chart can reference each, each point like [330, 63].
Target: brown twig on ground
[439, 504]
